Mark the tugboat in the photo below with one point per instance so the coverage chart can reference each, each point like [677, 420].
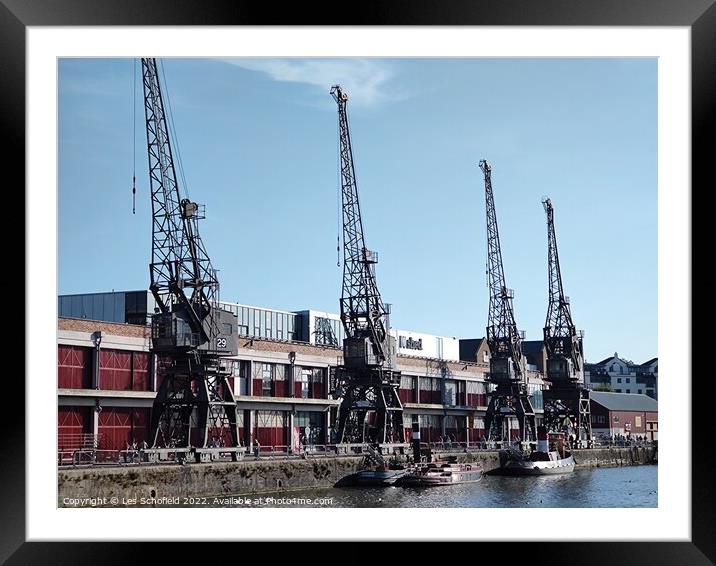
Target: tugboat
[440, 473]
[549, 458]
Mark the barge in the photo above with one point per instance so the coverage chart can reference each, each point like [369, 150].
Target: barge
[435, 474]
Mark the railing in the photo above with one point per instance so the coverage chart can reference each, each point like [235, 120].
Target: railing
[87, 457]
[68, 442]
[92, 457]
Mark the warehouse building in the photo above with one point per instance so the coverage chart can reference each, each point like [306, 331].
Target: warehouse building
[622, 414]
[281, 377]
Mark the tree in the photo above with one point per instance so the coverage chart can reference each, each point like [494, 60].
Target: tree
[603, 387]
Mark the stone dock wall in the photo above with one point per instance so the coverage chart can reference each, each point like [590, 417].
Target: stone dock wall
[260, 476]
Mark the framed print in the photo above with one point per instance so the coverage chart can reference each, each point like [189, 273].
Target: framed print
[603, 109]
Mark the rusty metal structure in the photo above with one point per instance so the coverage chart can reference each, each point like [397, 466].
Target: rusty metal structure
[508, 372]
[367, 381]
[566, 402]
[194, 413]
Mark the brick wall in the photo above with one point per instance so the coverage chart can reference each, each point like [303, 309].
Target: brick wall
[84, 325]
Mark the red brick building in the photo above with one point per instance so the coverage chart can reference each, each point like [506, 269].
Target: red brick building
[630, 415]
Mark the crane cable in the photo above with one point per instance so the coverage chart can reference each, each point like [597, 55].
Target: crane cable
[172, 132]
[338, 193]
[134, 138]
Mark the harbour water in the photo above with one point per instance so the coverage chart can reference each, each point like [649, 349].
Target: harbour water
[628, 486]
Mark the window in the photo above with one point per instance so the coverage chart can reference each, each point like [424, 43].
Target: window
[628, 390]
[619, 379]
[305, 380]
[242, 374]
[267, 380]
[637, 421]
[639, 390]
[627, 380]
[450, 393]
[619, 390]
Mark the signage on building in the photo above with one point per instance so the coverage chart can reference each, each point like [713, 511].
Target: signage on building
[409, 343]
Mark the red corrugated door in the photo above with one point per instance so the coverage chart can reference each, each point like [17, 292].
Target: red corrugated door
[140, 425]
[270, 428]
[74, 367]
[115, 428]
[140, 371]
[115, 371]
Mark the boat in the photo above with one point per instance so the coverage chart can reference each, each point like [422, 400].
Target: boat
[379, 473]
[538, 463]
[436, 474]
[549, 458]
[377, 477]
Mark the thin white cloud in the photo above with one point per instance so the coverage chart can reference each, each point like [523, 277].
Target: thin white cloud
[365, 81]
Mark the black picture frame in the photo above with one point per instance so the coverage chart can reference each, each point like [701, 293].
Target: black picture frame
[698, 15]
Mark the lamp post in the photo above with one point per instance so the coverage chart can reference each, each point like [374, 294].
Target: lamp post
[97, 341]
[291, 373]
[292, 414]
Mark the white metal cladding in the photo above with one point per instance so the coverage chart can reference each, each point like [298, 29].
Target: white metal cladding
[426, 345]
[257, 322]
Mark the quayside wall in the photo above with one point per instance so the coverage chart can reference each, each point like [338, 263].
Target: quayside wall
[256, 476]
[611, 457]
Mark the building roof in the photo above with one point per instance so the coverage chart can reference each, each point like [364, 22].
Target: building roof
[615, 356]
[649, 362]
[624, 401]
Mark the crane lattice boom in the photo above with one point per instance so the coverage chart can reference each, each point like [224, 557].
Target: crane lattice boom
[502, 335]
[563, 344]
[189, 331]
[366, 381]
[362, 310]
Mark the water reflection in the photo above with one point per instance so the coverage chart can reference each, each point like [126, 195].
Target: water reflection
[598, 487]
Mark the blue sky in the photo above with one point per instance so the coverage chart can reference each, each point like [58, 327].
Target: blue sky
[258, 142]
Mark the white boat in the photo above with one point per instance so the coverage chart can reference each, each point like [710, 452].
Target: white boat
[550, 457]
[514, 463]
[436, 474]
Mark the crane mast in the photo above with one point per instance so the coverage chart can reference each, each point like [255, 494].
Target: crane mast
[566, 402]
[367, 381]
[507, 363]
[194, 410]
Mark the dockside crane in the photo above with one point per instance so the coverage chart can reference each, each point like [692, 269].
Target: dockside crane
[194, 412]
[510, 398]
[367, 379]
[566, 402]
